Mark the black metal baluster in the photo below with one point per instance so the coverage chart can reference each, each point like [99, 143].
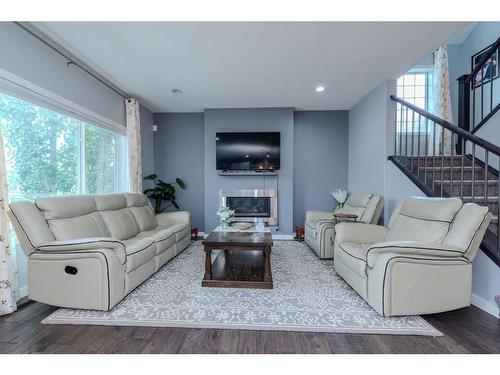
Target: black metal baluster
[452, 165]
[433, 156]
[473, 170]
[462, 175]
[401, 132]
[482, 95]
[442, 159]
[473, 102]
[486, 177]
[412, 139]
[426, 148]
[418, 144]
[406, 135]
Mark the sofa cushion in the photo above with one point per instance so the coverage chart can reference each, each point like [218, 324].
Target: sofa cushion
[353, 256]
[163, 237]
[105, 202]
[139, 251]
[423, 219]
[465, 226]
[63, 207]
[136, 199]
[181, 230]
[145, 217]
[120, 223]
[358, 200]
[90, 225]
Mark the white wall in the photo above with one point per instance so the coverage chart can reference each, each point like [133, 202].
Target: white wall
[26, 57]
[371, 132]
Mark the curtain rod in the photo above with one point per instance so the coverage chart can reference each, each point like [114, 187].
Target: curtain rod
[72, 59]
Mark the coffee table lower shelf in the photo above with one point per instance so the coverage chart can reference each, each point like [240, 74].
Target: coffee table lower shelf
[239, 269]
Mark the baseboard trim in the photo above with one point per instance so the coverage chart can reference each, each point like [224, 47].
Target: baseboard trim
[484, 305]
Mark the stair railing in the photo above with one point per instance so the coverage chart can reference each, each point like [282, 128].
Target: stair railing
[424, 142]
[476, 92]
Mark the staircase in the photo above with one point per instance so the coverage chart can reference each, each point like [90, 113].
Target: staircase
[444, 160]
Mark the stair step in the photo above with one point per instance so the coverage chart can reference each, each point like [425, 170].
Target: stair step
[466, 188]
[438, 161]
[479, 172]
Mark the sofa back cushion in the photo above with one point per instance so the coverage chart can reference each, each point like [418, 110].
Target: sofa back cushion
[66, 206]
[423, 219]
[466, 230]
[140, 207]
[85, 226]
[118, 215]
[120, 223]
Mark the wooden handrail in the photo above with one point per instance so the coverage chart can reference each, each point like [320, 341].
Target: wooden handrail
[480, 65]
[490, 147]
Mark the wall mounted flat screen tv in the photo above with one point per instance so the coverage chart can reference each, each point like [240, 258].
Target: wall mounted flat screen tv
[248, 151]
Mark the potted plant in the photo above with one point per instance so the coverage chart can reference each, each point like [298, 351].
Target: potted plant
[225, 215]
[163, 191]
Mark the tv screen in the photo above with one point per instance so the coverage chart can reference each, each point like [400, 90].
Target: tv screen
[248, 151]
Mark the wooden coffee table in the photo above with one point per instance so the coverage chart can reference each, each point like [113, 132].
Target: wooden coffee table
[245, 261]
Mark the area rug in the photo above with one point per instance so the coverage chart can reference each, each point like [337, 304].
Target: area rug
[308, 296]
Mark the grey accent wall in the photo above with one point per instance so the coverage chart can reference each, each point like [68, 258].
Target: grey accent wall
[178, 152]
[253, 119]
[23, 55]
[320, 157]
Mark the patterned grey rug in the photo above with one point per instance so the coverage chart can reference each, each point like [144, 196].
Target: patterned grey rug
[308, 296]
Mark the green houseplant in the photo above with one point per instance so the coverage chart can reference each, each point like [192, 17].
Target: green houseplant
[163, 191]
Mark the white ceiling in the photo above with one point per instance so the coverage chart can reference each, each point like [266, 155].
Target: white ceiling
[256, 64]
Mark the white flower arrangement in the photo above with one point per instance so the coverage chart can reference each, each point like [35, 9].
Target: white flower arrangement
[225, 214]
[340, 196]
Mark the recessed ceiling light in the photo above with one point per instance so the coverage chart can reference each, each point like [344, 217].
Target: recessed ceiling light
[177, 91]
[320, 88]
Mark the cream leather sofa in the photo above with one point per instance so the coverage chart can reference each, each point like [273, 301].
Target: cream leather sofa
[421, 263]
[90, 251]
[319, 228]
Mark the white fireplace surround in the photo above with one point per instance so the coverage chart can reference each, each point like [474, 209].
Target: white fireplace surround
[272, 194]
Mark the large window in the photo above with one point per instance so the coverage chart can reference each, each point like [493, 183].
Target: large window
[49, 153]
[416, 88]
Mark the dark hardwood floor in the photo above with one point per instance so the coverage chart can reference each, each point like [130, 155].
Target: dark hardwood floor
[468, 330]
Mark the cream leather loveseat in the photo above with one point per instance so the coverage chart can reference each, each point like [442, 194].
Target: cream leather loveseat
[421, 263]
[319, 228]
[90, 251]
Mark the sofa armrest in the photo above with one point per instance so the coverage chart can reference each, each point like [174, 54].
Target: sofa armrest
[171, 218]
[360, 233]
[412, 248]
[82, 244]
[318, 215]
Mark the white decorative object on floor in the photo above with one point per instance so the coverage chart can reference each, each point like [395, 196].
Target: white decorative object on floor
[308, 296]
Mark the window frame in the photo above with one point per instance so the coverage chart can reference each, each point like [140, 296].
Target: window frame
[428, 72]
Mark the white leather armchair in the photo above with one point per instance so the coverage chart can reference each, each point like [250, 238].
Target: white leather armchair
[319, 228]
[421, 263]
[90, 251]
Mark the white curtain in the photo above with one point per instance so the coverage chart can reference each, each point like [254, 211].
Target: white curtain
[134, 145]
[8, 272]
[442, 99]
